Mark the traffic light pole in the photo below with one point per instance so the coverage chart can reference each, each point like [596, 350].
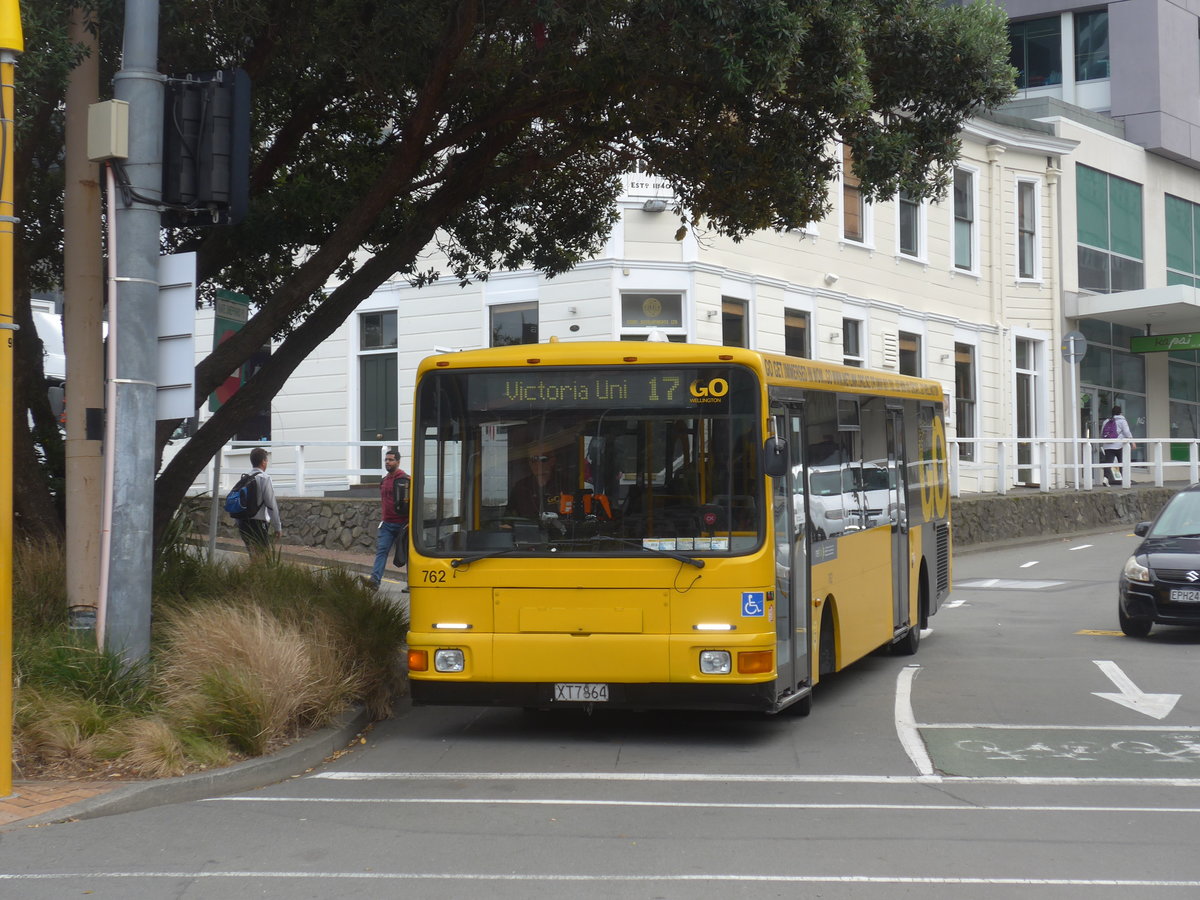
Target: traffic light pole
[124, 619]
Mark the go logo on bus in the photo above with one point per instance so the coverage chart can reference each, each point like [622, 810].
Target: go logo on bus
[708, 393]
[934, 474]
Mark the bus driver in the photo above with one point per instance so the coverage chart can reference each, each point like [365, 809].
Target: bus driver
[538, 491]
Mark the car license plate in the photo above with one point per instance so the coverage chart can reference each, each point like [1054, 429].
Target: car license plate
[574, 692]
[1185, 595]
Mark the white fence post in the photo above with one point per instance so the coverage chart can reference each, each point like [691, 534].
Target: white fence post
[1002, 467]
[1158, 464]
[299, 470]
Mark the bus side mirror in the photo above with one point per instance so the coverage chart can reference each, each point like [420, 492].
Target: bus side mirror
[775, 457]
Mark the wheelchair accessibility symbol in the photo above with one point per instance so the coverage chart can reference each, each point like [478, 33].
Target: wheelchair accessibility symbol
[753, 603]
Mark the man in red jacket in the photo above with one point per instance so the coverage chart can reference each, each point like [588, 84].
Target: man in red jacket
[391, 527]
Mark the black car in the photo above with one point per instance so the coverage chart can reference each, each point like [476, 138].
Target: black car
[1161, 581]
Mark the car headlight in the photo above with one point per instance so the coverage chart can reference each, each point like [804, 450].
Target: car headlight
[1135, 571]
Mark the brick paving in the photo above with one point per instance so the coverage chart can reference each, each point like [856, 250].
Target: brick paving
[32, 798]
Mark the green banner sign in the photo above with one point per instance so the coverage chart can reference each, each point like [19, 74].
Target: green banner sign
[1160, 343]
[232, 311]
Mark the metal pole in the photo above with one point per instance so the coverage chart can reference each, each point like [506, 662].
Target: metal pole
[83, 290]
[127, 622]
[11, 43]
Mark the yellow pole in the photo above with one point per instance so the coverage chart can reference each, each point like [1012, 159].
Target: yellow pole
[11, 43]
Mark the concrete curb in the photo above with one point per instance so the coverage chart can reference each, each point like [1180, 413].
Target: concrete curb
[294, 759]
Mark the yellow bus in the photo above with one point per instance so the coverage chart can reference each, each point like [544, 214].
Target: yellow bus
[664, 525]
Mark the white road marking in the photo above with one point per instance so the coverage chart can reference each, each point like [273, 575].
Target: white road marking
[681, 804]
[1157, 706]
[997, 726]
[1080, 547]
[1006, 584]
[953, 604]
[613, 879]
[1029, 564]
[732, 778]
[906, 724]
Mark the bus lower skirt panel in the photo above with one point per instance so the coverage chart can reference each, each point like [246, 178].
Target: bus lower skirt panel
[755, 697]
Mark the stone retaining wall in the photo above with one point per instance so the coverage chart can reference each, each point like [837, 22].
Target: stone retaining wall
[350, 523]
[991, 517]
[335, 523]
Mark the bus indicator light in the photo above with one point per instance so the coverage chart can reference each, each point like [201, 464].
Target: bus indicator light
[757, 662]
[715, 662]
[418, 661]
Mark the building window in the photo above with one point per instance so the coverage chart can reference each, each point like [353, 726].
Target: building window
[1029, 251]
[795, 333]
[964, 220]
[1109, 212]
[1183, 242]
[377, 331]
[1091, 45]
[1183, 368]
[1110, 374]
[733, 322]
[964, 397]
[852, 343]
[854, 207]
[644, 313]
[908, 214]
[910, 353]
[1036, 51]
[514, 323]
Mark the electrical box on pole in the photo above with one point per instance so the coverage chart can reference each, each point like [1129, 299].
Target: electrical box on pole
[206, 149]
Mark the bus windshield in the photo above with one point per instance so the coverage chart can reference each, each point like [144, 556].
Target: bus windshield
[603, 460]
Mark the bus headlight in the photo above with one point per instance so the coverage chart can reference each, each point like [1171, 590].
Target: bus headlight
[715, 662]
[448, 661]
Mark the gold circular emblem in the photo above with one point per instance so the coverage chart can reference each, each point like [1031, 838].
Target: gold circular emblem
[652, 307]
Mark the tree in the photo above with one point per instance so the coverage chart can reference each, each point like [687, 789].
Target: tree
[500, 130]
[42, 71]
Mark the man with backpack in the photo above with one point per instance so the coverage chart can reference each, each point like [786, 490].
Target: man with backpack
[1115, 431]
[254, 527]
[392, 525]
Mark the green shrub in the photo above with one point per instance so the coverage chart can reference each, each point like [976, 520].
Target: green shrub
[243, 658]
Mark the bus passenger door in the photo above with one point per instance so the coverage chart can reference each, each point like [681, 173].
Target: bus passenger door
[898, 507]
[791, 560]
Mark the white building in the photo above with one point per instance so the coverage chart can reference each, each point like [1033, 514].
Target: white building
[1059, 221]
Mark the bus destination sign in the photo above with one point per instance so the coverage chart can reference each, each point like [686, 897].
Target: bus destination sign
[708, 389]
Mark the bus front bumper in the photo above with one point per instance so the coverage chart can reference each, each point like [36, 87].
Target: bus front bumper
[540, 695]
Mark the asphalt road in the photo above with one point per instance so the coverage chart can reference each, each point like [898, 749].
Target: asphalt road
[1029, 750]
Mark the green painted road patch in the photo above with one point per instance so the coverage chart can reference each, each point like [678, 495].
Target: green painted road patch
[1063, 752]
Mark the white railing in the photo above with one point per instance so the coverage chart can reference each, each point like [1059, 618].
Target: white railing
[999, 464]
[291, 469]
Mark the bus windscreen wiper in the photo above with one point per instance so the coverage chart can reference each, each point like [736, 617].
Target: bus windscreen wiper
[682, 557]
[484, 554]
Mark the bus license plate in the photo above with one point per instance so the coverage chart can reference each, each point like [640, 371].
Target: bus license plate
[1185, 595]
[574, 692]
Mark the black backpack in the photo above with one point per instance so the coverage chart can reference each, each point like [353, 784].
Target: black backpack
[244, 502]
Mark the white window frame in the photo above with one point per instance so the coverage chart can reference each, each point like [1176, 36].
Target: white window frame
[868, 215]
[1036, 185]
[974, 173]
[922, 255]
[859, 361]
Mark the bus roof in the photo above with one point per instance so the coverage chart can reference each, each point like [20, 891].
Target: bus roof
[776, 369]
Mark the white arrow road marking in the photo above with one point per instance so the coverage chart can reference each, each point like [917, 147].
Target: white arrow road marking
[1157, 706]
